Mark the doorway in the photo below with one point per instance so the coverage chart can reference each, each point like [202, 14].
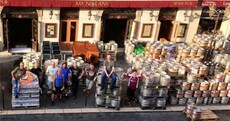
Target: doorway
[165, 29]
[20, 28]
[20, 33]
[115, 29]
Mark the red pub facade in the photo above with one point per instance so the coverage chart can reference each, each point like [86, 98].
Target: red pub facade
[27, 23]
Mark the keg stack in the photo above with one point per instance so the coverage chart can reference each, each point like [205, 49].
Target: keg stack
[154, 91]
[200, 91]
[107, 48]
[211, 44]
[28, 96]
[107, 98]
[193, 52]
[29, 60]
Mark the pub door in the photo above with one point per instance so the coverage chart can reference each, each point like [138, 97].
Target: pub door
[115, 29]
[165, 29]
[20, 35]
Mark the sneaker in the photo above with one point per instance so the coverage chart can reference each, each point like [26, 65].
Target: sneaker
[16, 96]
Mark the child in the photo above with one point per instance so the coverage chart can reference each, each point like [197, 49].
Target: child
[132, 84]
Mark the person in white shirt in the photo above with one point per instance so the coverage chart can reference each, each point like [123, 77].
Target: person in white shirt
[51, 72]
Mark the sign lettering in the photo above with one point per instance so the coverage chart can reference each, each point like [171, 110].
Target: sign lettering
[3, 2]
[182, 3]
[118, 16]
[93, 3]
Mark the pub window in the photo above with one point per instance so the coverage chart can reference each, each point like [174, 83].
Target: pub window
[63, 31]
[68, 30]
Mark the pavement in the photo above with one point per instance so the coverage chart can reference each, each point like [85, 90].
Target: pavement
[76, 107]
[122, 116]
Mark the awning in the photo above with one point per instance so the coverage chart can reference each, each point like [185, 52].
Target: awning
[218, 3]
[101, 3]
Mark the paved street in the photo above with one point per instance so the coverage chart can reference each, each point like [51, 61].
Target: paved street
[153, 116]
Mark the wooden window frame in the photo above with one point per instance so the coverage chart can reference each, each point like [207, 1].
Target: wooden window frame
[47, 35]
[68, 30]
[181, 32]
[91, 31]
[149, 34]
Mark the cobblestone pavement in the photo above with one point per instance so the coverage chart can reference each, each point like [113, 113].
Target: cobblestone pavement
[153, 116]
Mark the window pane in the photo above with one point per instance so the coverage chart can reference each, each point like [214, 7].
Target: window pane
[73, 31]
[63, 31]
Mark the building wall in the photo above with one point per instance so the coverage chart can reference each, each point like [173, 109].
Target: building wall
[94, 19]
[182, 17]
[45, 18]
[144, 18]
[225, 27]
[1, 32]
[193, 24]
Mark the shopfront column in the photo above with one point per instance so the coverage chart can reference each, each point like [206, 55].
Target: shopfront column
[1, 32]
[225, 26]
[50, 24]
[193, 24]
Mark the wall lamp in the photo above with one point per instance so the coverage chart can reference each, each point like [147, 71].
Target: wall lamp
[51, 14]
[151, 15]
[90, 14]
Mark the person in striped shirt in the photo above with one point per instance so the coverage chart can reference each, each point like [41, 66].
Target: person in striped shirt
[133, 83]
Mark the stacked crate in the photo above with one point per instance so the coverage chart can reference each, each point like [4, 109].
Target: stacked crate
[106, 98]
[28, 95]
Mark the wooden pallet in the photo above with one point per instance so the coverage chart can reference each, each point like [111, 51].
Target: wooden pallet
[206, 115]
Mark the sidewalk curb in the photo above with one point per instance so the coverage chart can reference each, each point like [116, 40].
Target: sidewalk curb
[103, 110]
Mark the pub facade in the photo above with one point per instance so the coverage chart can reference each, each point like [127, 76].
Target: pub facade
[27, 23]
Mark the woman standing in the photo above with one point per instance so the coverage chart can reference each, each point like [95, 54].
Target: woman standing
[58, 86]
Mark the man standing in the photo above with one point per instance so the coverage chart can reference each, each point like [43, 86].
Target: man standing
[37, 71]
[16, 74]
[51, 73]
[108, 73]
[77, 74]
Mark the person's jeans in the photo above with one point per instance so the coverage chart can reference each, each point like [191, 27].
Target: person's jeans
[16, 86]
[113, 82]
[89, 83]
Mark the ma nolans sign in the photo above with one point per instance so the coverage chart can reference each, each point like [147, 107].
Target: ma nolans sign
[3, 2]
[92, 4]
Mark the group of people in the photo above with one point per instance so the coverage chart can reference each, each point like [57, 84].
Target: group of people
[19, 72]
[60, 78]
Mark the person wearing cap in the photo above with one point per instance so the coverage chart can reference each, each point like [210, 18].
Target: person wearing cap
[17, 74]
[51, 73]
[109, 68]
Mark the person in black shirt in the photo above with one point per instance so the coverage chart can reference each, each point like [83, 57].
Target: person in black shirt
[90, 77]
[37, 71]
[77, 74]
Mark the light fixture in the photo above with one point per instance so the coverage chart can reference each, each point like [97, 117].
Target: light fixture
[89, 14]
[51, 14]
[151, 15]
